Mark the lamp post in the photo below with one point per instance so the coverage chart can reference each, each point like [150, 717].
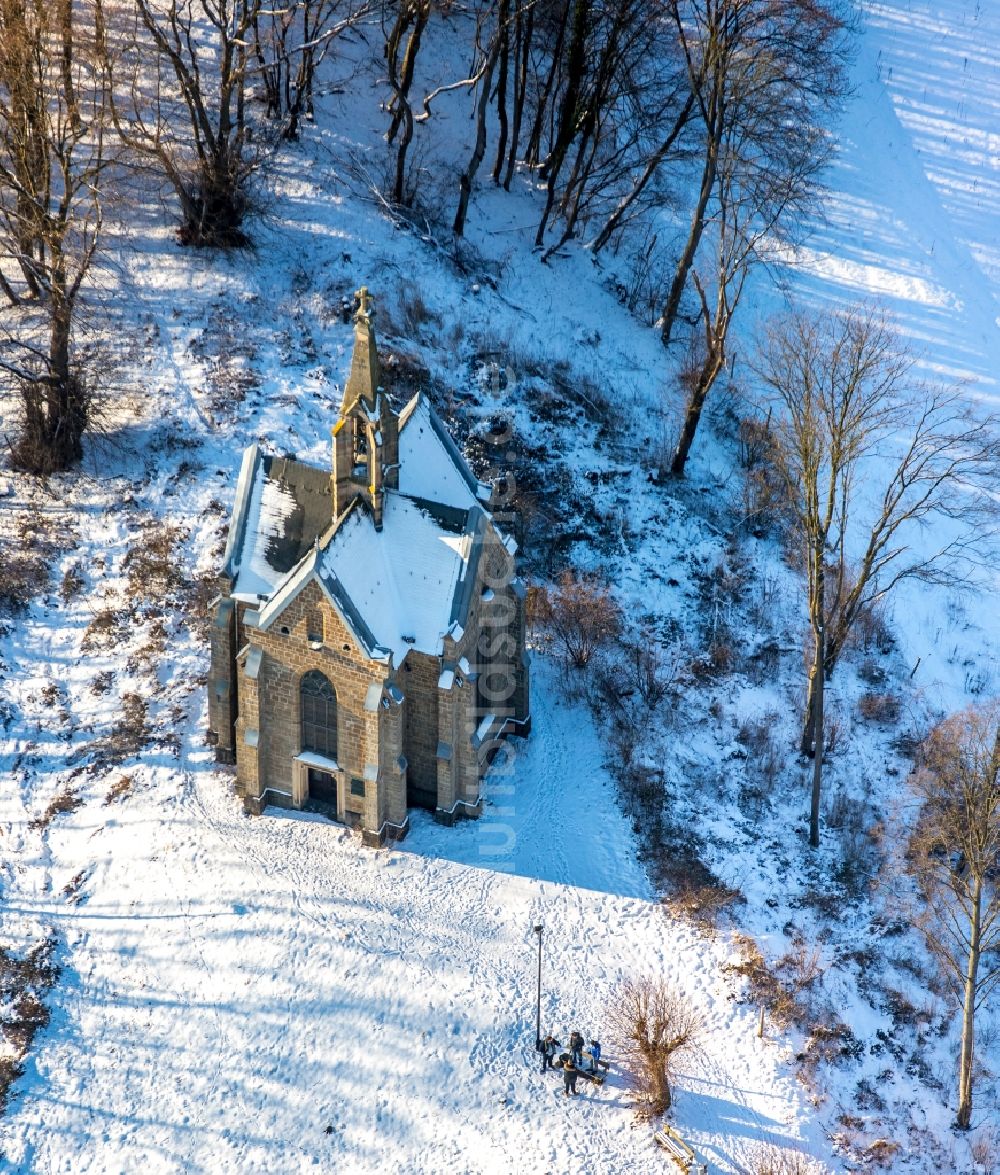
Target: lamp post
[538, 1002]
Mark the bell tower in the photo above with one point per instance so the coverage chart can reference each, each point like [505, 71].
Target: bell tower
[366, 435]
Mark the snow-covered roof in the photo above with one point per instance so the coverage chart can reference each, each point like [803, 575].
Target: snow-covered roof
[431, 465]
[281, 507]
[410, 580]
[306, 572]
[404, 586]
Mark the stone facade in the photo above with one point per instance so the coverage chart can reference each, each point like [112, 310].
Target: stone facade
[404, 702]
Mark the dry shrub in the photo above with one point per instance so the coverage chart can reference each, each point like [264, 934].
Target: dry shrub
[881, 1152]
[72, 583]
[24, 980]
[72, 887]
[66, 801]
[763, 663]
[754, 442]
[764, 987]
[128, 735]
[986, 1150]
[10, 1071]
[765, 756]
[870, 630]
[202, 591]
[719, 660]
[882, 708]
[652, 1025]
[415, 313]
[23, 1021]
[579, 614]
[25, 575]
[764, 496]
[31, 542]
[767, 1158]
[703, 898]
[120, 788]
[154, 572]
[103, 631]
[827, 1043]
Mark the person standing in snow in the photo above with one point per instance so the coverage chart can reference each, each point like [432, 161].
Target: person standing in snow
[549, 1046]
[576, 1049]
[569, 1077]
[595, 1055]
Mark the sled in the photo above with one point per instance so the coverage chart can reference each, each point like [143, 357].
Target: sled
[678, 1150]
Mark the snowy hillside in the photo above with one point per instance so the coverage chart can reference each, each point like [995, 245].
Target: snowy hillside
[266, 995]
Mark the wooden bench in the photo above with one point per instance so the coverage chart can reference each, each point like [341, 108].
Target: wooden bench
[677, 1149]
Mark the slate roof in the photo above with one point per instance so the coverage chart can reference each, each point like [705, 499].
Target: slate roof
[281, 508]
[399, 588]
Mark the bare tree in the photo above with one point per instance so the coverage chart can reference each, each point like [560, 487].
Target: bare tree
[483, 78]
[524, 27]
[954, 858]
[180, 102]
[866, 456]
[652, 1024]
[290, 42]
[53, 158]
[401, 50]
[764, 76]
[579, 613]
[579, 13]
[767, 1158]
[750, 202]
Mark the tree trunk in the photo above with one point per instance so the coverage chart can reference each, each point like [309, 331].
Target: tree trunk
[522, 47]
[535, 138]
[403, 114]
[692, 415]
[418, 13]
[686, 260]
[809, 718]
[66, 30]
[399, 183]
[660, 1090]
[270, 73]
[963, 1119]
[817, 781]
[469, 175]
[55, 407]
[831, 654]
[616, 217]
[576, 64]
[503, 32]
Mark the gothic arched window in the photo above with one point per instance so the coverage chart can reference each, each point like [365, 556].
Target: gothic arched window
[318, 714]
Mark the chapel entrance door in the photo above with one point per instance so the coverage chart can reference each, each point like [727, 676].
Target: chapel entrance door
[323, 787]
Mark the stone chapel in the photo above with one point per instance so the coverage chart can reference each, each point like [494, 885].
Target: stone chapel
[368, 638]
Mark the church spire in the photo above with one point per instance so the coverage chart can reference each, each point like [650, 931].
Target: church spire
[366, 436]
[365, 375]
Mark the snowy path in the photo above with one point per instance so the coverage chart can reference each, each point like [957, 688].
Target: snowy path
[559, 769]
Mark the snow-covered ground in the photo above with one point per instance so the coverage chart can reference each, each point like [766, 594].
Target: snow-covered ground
[262, 995]
[266, 995]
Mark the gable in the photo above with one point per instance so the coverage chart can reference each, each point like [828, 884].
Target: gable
[297, 582]
[406, 581]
